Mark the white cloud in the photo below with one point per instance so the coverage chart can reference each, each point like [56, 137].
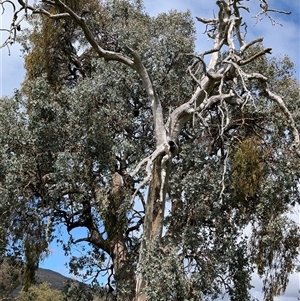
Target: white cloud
[283, 40]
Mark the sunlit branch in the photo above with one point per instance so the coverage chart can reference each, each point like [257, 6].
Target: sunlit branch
[265, 10]
[289, 117]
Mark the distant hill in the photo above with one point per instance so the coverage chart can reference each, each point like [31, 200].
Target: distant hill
[58, 282]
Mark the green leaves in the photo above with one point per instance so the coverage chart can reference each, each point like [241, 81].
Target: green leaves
[275, 245]
[42, 292]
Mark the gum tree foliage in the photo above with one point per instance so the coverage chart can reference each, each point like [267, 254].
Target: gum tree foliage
[162, 155]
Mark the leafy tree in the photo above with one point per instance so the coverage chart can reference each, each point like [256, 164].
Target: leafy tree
[10, 277]
[74, 290]
[163, 155]
[42, 292]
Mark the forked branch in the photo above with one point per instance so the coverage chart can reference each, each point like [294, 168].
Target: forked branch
[266, 10]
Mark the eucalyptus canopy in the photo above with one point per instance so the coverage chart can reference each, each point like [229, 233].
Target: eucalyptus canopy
[165, 156]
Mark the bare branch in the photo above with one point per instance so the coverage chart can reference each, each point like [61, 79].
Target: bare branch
[265, 10]
[207, 21]
[165, 169]
[246, 46]
[255, 56]
[3, 7]
[83, 239]
[289, 117]
[49, 15]
[222, 182]
[15, 24]
[106, 54]
[160, 149]
[155, 102]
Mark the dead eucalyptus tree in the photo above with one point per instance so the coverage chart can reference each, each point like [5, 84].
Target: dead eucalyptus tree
[225, 82]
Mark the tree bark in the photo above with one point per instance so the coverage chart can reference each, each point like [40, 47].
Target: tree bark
[154, 216]
[123, 270]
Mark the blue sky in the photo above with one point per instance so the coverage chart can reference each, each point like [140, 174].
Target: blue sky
[283, 39]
